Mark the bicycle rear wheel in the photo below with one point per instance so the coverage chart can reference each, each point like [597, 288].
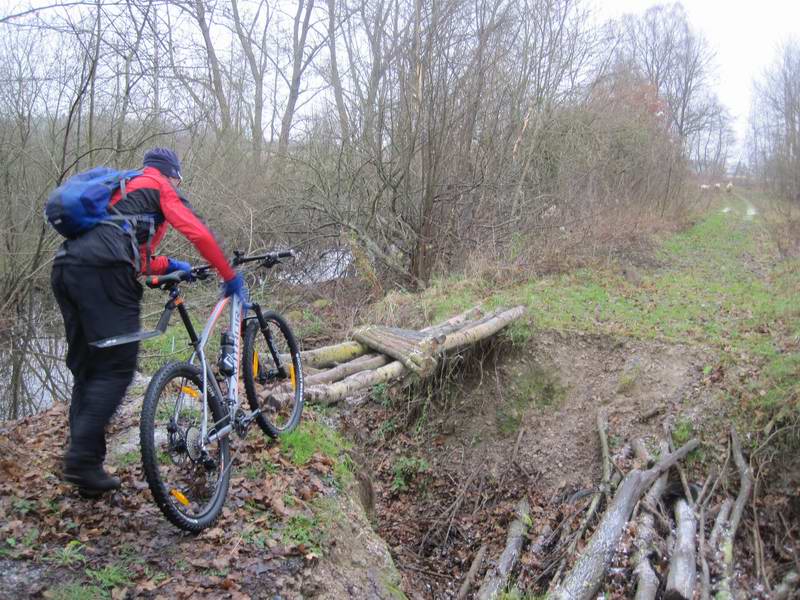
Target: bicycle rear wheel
[273, 375]
[189, 482]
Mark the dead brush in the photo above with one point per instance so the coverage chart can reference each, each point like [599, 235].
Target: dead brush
[782, 221]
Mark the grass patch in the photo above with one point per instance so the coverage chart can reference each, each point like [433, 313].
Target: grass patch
[380, 394]
[110, 576]
[128, 459]
[311, 531]
[69, 555]
[405, 469]
[682, 432]
[260, 469]
[312, 437]
[627, 381]
[75, 591]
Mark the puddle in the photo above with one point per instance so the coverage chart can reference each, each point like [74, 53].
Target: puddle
[726, 210]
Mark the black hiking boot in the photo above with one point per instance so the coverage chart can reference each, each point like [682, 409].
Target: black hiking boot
[92, 481]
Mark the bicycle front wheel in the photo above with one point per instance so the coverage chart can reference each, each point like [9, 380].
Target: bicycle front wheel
[273, 375]
[188, 478]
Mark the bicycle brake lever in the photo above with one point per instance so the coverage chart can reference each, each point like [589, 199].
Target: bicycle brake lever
[270, 262]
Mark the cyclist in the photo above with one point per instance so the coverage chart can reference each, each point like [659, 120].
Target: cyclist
[94, 282]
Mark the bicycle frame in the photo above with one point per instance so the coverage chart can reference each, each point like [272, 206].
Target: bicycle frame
[237, 311]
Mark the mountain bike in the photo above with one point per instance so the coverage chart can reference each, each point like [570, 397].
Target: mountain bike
[191, 408]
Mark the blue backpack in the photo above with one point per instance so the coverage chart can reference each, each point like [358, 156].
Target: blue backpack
[83, 201]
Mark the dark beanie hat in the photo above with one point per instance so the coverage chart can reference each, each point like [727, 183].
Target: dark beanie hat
[165, 160]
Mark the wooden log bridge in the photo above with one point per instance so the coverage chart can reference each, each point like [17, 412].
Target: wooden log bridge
[380, 354]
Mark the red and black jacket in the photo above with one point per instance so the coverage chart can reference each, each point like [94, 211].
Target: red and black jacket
[151, 198]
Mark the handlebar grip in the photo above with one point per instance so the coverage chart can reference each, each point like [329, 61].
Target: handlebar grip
[157, 281]
[286, 254]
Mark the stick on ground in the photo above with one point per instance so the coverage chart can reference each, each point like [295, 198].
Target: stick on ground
[587, 575]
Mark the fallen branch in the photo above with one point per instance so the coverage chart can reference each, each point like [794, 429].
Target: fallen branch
[473, 570]
[647, 582]
[787, 587]
[682, 569]
[726, 588]
[719, 523]
[496, 577]
[745, 482]
[602, 431]
[587, 575]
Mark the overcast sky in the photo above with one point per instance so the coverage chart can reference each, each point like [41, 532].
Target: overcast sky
[744, 34]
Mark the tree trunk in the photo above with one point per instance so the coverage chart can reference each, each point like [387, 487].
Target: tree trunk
[301, 26]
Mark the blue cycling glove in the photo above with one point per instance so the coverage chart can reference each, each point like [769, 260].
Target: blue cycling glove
[235, 286]
[178, 265]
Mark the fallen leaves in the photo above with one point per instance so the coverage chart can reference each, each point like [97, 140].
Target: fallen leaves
[127, 531]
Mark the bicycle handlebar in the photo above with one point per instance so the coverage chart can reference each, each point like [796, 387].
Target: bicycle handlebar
[268, 260]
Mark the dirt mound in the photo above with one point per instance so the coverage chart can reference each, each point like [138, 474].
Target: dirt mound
[544, 400]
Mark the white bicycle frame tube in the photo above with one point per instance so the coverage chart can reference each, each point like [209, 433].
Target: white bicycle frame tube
[237, 309]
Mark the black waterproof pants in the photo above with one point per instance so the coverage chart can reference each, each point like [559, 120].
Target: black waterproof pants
[96, 303]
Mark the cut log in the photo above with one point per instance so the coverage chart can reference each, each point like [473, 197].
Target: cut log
[454, 323]
[585, 578]
[330, 394]
[329, 356]
[485, 328]
[367, 362]
[682, 569]
[414, 352]
[496, 578]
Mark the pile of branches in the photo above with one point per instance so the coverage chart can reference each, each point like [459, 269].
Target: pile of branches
[664, 537]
